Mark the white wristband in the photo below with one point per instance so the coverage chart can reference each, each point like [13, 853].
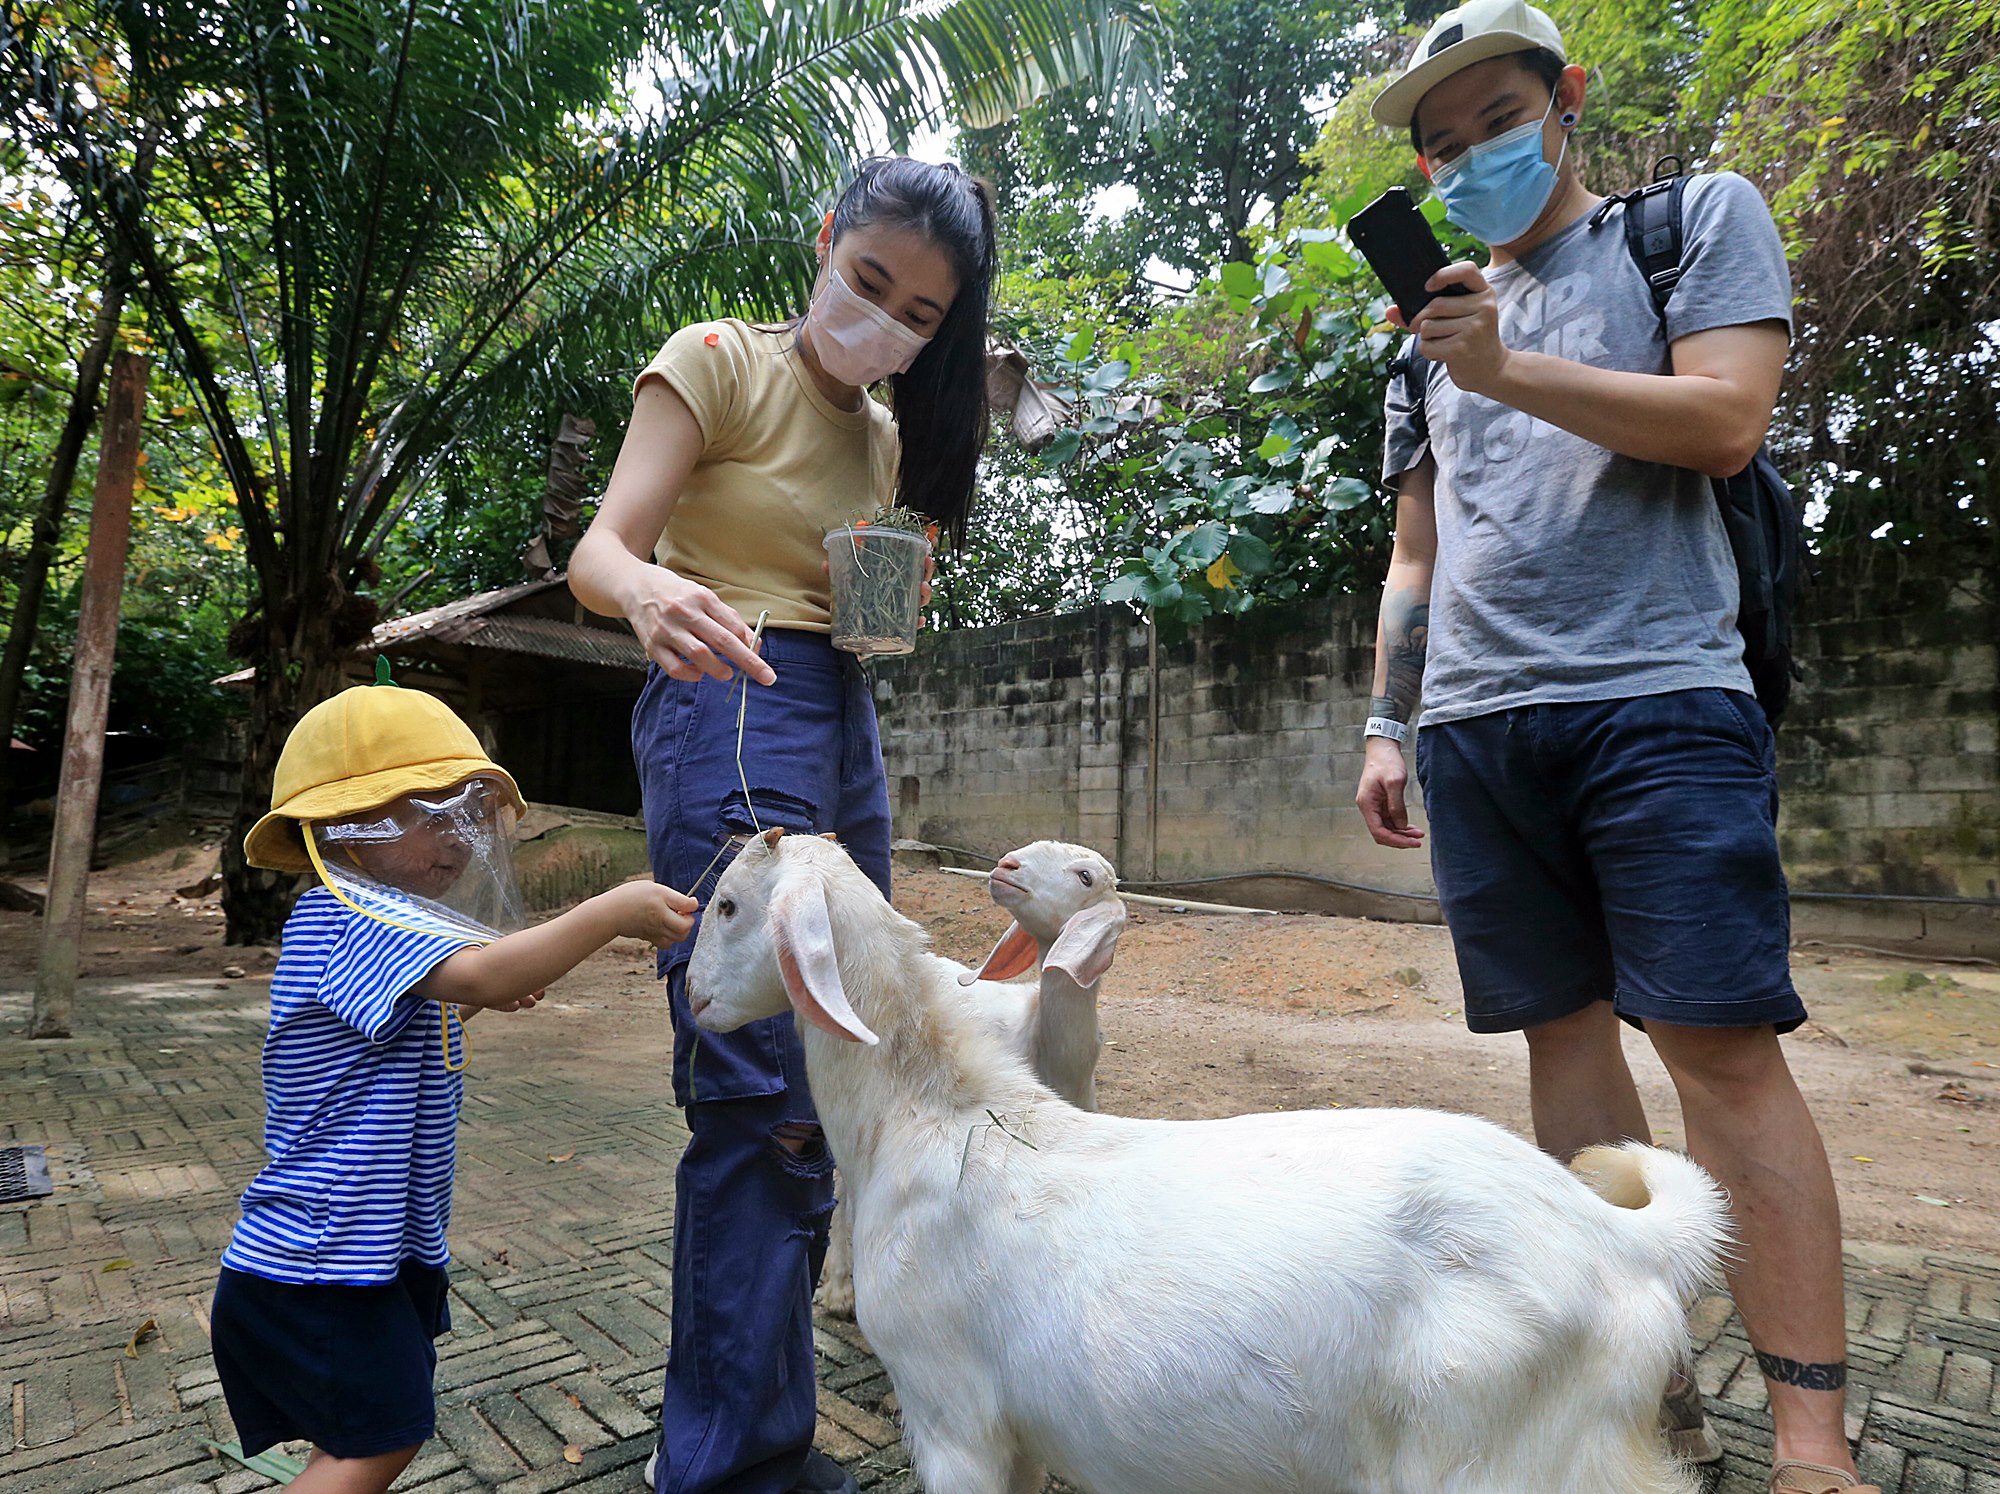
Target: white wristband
[1382, 726]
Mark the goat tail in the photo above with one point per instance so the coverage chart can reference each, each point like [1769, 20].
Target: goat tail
[1675, 1211]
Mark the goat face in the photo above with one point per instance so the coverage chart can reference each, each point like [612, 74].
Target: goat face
[1064, 899]
[766, 941]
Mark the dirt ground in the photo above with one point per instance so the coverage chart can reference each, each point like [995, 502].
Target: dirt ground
[1210, 1015]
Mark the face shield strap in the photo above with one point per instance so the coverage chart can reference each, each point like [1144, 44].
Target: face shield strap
[446, 1010]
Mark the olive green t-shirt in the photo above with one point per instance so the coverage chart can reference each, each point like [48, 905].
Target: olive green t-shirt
[780, 466]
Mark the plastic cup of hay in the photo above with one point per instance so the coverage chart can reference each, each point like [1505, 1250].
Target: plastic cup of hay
[878, 587]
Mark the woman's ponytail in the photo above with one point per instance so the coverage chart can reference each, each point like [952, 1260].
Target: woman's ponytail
[940, 401]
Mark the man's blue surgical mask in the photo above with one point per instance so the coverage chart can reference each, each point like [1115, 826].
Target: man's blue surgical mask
[1497, 189]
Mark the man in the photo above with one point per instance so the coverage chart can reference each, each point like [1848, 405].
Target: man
[1599, 779]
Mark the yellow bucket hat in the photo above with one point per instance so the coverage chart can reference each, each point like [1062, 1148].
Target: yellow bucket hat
[356, 751]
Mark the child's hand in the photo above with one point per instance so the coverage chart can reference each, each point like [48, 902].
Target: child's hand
[650, 911]
[525, 1003]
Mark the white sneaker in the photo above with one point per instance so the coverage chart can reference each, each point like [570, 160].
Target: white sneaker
[652, 1467]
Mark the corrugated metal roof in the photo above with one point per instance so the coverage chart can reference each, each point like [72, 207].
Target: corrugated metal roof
[472, 623]
[550, 638]
[442, 620]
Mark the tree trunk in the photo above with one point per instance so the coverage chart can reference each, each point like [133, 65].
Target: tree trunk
[55, 500]
[297, 667]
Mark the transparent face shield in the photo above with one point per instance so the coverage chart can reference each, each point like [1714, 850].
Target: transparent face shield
[435, 863]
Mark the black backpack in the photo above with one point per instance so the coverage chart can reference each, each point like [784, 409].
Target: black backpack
[1766, 525]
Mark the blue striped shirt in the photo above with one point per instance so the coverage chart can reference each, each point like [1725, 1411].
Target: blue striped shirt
[360, 1114]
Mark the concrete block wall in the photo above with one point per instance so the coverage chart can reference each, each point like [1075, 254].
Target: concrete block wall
[1889, 765]
[1043, 727]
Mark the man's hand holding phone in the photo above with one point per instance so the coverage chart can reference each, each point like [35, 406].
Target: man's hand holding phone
[1460, 328]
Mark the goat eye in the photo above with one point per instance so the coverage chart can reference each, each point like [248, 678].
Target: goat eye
[727, 907]
[1085, 875]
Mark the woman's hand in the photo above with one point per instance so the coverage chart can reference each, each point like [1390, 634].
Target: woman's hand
[688, 630]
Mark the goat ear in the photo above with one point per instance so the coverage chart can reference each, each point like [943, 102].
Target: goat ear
[804, 935]
[1089, 938]
[773, 835]
[1014, 953]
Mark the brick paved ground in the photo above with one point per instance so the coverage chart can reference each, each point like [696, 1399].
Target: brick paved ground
[562, 1239]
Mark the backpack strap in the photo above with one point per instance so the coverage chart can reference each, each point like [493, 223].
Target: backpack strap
[1653, 232]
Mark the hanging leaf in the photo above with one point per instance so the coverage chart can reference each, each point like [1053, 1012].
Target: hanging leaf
[1328, 256]
[1251, 556]
[1344, 493]
[1239, 281]
[1281, 443]
[1107, 377]
[1062, 449]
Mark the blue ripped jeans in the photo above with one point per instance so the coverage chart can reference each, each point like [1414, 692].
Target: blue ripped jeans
[750, 1215]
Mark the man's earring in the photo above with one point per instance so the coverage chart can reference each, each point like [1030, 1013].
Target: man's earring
[1569, 119]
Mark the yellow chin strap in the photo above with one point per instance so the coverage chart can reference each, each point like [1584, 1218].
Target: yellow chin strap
[446, 1010]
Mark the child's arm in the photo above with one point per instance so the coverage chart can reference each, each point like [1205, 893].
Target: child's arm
[509, 972]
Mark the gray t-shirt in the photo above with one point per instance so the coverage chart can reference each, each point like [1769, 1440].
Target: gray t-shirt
[1565, 571]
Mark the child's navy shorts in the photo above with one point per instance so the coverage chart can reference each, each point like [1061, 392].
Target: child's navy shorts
[1621, 850]
[347, 1368]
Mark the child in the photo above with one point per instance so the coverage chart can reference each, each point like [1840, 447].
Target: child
[333, 1285]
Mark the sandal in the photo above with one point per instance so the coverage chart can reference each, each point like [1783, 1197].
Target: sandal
[1684, 1421]
[1792, 1477]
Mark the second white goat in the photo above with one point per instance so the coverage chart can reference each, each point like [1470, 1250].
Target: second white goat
[1067, 917]
[1392, 1301]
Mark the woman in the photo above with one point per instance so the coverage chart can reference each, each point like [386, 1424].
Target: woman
[746, 445]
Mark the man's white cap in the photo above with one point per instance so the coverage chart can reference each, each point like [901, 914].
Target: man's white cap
[1475, 31]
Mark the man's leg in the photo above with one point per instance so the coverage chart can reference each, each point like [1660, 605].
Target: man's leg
[1579, 1086]
[1581, 1092]
[1749, 1126]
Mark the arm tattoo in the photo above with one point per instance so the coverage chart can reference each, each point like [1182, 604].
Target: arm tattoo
[1784, 1371]
[1406, 631]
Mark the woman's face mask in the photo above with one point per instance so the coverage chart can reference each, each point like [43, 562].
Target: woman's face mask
[856, 340]
[1497, 189]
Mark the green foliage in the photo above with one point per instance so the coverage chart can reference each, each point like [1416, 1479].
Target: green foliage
[379, 228]
[1267, 493]
[1351, 161]
[1221, 452]
[1875, 129]
[1234, 113]
[162, 686]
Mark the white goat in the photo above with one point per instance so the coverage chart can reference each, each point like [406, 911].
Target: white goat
[1349, 1302]
[1067, 917]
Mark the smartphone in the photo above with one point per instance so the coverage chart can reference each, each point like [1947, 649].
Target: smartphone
[1400, 248]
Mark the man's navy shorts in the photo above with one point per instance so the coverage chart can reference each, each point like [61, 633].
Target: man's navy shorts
[1618, 849]
[346, 1368]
